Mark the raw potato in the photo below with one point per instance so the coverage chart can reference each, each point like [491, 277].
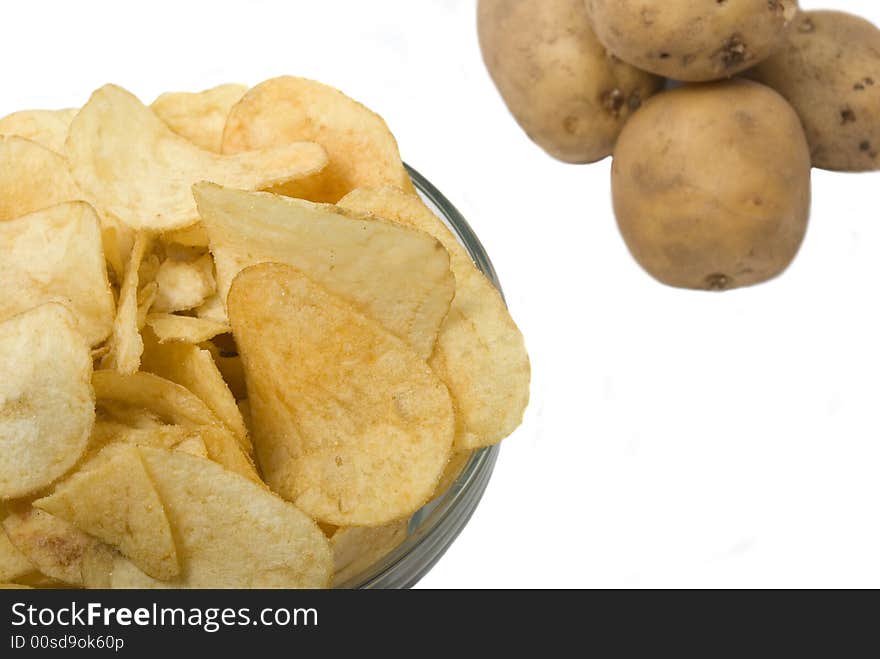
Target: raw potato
[139, 171]
[711, 185]
[829, 70]
[232, 533]
[568, 95]
[480, 354]
[690, 40]
[360, 431]
[32, 178]
[56, 254]
[47, 407]
[199, 117]
[360, 148]
[47, 128]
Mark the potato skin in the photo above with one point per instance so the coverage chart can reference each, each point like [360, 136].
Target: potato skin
[711, 185]
[692, 40]
[565, 91]
[829, 70]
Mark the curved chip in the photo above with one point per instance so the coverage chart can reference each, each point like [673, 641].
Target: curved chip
[199, 116]
[480, 352]
[47, 128]
[397, 276]
[184, 284]
[348, 422]
[32, 177]
[47, 407]
[189, 329]
[139, 171]
[232, 533]
[112, 498]
[56, 254]
[362, 151]
[13, 564]
[356, 548]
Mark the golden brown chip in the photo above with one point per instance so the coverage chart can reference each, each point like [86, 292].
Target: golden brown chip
[229, 364]
[96, 565]
[214, 310]
[358, 432]
[56, 254]
[13, 564]
[189, 329]
[184, 285]
[194, 446]
[356, 548]
[137, 170]
[112, 498]
[398, 276]
[32, 177]
[47, 128]
[194, 368]
[453, 470]
[480, 353]
[232, 533]
[201, 116]
[125, 342]
[52, 545]
[362, 151]
[192, 236]
[47, 408]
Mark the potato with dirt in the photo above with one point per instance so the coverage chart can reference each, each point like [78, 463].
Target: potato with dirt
[711, 185]
[689, 40]
[829, 70]
[569, 95]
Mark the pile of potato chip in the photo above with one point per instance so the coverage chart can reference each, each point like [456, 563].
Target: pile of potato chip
[236, 348]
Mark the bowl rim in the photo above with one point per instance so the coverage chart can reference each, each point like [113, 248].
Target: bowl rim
[436, 525]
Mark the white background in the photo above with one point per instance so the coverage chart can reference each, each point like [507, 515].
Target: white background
[674, 438]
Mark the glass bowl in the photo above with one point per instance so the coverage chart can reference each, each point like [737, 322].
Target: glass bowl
[434, 528]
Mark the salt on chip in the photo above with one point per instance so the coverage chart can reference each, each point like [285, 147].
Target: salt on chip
[480, 352]
[194, 368]
[32, 177]
[125, 342]
[56, 254]
[53, 546]
[348, 422]
[47, 128]
[112, 498]
[398, 276]
[47, 407]
[356, 548]
[139, 171]
[199, 116]
[362, 151]
[184, 285]
[170, 327]
[232, 533]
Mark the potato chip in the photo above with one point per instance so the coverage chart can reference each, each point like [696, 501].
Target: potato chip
[359, 431]
[53, 546]
[356, 548]
[397, 276]
[146, 297]
[32, 178]
[362, 151]
[137, 170]
[47, 408]
[47, 128]
[194, 446]
[13, 564]
[232, 533]
[56, 254]
[480, 353]
[184, 285]
[454, 469]
[192, 236]
[96, 565]
[169, 327]
[112, 498]
[125, 342]
[199, 117]
[213, 309]
[194, 368]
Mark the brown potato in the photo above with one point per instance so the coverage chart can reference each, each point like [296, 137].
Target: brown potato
[829, 70]
[711, 185]
[566, 92]
[692, 41]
